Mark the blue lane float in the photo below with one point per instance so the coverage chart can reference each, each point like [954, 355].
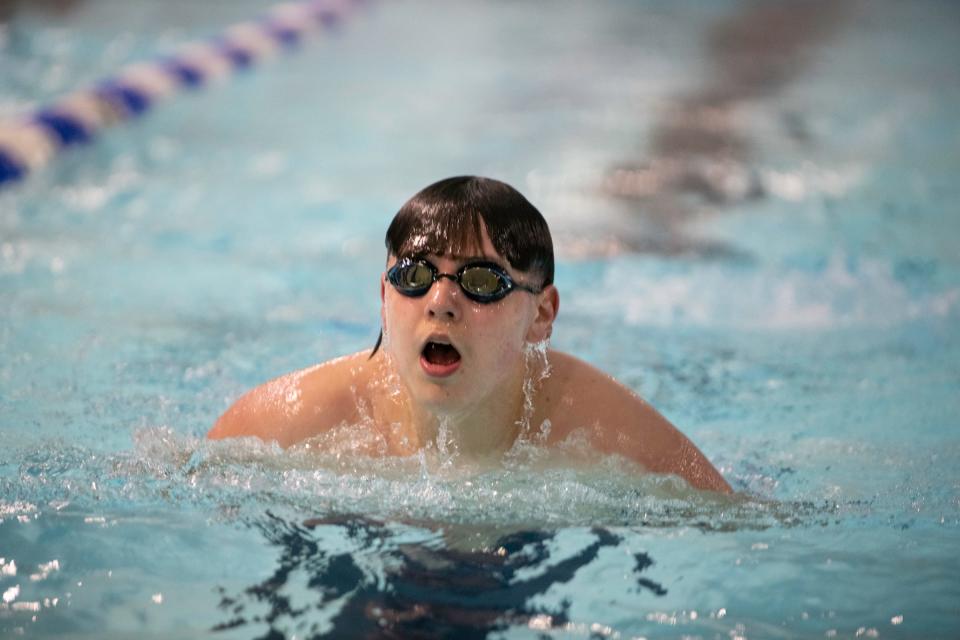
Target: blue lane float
[30, 142]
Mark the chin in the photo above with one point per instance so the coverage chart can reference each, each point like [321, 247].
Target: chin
[435, 396]
[438, 397]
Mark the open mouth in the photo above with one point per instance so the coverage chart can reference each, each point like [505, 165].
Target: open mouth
[439, 359]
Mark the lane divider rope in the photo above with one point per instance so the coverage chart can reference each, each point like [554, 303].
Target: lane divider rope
[29, 142]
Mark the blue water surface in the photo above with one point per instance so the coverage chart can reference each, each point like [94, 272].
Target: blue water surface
[805, 335]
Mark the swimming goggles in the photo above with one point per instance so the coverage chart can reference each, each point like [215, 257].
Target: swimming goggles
[482, 282]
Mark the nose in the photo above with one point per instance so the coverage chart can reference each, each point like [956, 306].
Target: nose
[444, 299]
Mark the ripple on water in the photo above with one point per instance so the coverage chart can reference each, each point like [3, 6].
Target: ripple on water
[358, 542]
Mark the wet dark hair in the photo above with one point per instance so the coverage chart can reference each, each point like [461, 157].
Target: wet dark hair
[448, 217]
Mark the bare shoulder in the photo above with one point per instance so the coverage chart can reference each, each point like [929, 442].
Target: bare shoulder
[580, 395]
[297, 405]
[577, 395]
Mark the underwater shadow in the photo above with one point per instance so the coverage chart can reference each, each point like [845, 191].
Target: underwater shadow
[700, 154]
[377, 587]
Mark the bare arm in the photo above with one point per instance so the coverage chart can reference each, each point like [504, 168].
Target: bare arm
[293, 407]
[620, 422]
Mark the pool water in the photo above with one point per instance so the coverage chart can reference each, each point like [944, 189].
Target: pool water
[803, 332]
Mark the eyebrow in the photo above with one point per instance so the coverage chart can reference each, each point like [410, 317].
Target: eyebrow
[456, 257]
[474, 258]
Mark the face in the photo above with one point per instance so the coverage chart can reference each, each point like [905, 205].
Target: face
[454, 354]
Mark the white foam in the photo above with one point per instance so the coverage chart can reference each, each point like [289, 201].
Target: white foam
[344, 473]
[536, 369]
[11, 594]
[842, 294]
[810, 180]
[45, 569]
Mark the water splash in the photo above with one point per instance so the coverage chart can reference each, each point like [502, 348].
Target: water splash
[536, 369]
[570, 485]
[446, 445]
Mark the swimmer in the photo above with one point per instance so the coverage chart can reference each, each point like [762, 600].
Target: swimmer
[467, 308]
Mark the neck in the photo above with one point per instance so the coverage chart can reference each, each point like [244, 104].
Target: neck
[489, 426]
[471, 431]
[486, 427]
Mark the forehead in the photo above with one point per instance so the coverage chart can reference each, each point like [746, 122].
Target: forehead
[460, 246]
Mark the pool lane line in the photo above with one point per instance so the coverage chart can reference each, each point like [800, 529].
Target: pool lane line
[32, 141]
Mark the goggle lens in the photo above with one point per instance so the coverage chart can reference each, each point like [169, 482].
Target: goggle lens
[415, 276]
[481, 281]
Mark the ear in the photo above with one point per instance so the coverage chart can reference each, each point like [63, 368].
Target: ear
[548, 305]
